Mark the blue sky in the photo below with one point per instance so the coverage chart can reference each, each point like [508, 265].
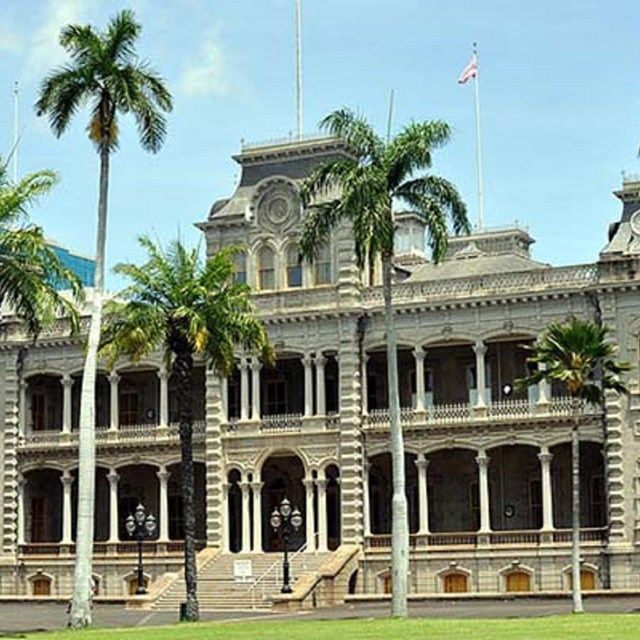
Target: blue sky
[559, 92]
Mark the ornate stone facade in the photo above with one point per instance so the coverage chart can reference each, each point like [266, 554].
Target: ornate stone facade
[487, 465]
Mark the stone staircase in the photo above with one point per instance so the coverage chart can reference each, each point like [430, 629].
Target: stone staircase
[218, 590]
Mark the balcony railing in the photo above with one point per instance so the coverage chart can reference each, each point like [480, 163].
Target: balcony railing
[451, 414]
[282, 424]
[130, 433]
[122, 548]
[528, 537]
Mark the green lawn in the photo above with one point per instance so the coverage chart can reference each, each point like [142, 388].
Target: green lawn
[583, 627]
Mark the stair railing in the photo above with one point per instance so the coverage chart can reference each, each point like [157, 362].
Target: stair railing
[273, 571]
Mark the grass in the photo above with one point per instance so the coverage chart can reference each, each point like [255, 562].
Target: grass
[584, 627]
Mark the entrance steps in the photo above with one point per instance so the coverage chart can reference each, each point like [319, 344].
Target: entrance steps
[219, 589]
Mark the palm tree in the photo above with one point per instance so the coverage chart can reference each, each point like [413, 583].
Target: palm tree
[185, 308]
[578, 356]
[30, 270]
[370, 179]
[105, 73]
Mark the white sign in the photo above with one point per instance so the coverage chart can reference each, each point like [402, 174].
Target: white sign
[242, 570]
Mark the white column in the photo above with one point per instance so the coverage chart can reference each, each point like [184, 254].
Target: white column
[308, 385]
[163, 520]
[113, 479]
[547, 492]
[365, 385]
[67, 480]
[67, 386]
[224, 392]
[483, 484]
[480, 350]
[419, 355]
[24, 409]
[423, 498]
[322, 514]
[114, 401]
[256, 490]
[225, 517]
[246, 522]
[256, 412]
[244, 389]
[366, 515]
[163, 376]
[321, 394]
[543, 388]
[310, 519]
[21, 522]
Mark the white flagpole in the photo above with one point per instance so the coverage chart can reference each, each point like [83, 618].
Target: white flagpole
[299, 66]
[15, 132]
[478, 144]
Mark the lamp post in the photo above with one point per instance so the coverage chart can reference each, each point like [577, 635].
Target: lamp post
[140, 525]
[286, 519]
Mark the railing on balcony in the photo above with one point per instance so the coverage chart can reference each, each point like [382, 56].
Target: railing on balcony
[528, 537]
[130, 433]
[503, 411]
[122, 548]
[282, 424]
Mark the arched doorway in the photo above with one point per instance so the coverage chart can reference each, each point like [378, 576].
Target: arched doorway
[332, 475]
[234, 511]
[282, 475]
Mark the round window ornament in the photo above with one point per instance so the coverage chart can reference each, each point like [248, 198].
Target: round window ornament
[635, 223]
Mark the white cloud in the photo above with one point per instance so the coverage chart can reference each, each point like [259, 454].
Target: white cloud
[209, 72]
[45, 51]
[9, 39]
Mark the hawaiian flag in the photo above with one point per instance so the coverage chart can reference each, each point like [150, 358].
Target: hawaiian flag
[470, 71]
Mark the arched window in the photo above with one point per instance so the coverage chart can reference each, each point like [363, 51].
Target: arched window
[294, 268]
[266, 269]
[240, 264]
[323, 265]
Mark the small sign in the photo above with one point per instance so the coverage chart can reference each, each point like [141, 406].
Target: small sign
[242, 570]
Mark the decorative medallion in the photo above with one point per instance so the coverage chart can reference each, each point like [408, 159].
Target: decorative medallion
[278, 206]
[635, 223]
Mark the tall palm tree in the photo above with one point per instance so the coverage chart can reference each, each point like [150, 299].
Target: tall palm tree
[105, 73]
[578, 356]
[186, 308]
[369, 180]
[30, 270]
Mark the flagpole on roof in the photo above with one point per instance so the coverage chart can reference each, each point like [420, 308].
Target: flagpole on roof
[478, 143]
[15, 132]
[299, 67]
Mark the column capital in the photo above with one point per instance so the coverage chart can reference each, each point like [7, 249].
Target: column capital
[309, 483]
[257, 485]
[163, 475]
[243, 363]
[67, 479]
[162, 374]
[321, 483]
[114, 378]
[482, 459]
[307, 360]
[422, 463]
[480, 348]
[113, 477]
[320, 360]
[67, 380]
[256, 365]
[23, 384]
[244, 486]
[545, 457]
[419, 353]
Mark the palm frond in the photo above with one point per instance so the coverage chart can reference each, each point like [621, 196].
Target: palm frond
[359, 135]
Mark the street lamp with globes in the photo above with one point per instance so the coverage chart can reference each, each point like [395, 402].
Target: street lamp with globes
[285, 520]
[140, 525]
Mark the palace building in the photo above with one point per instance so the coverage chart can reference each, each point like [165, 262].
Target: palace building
[487, 465]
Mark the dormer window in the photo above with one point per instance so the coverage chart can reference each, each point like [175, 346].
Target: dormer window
[294, 268]
[323, 265]
[266, 269]
[240, 264]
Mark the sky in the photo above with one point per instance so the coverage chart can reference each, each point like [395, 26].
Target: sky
[559, 96]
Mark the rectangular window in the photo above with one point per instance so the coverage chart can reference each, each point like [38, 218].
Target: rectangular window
[128, 405]
[275, 402]
[38, 412]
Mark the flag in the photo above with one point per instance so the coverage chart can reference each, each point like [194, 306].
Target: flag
[470, 71]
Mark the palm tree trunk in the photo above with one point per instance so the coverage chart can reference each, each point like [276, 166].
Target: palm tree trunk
[182, 369]
[399, 520]
[575, 508]
[80, 614]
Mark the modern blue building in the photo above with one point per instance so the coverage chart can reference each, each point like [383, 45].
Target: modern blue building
[83, 267]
